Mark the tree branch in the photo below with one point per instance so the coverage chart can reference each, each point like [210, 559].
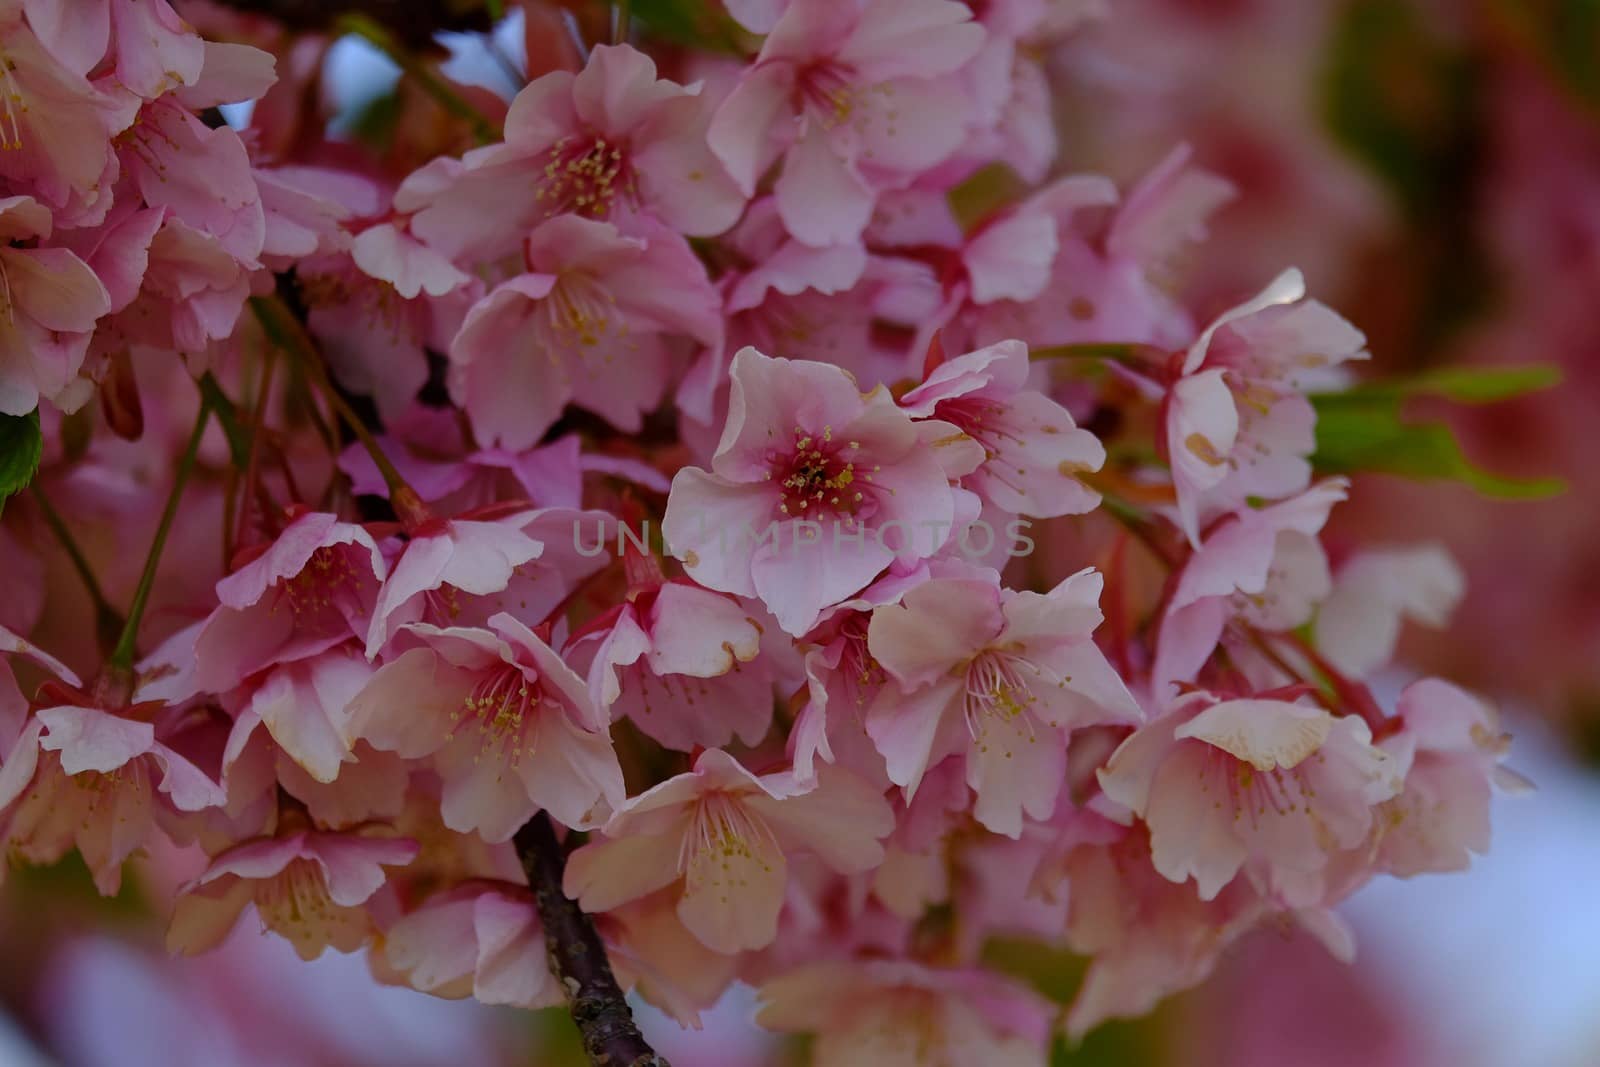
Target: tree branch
[577, 957]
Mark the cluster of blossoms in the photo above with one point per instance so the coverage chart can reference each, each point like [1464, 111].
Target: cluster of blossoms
[853, 574]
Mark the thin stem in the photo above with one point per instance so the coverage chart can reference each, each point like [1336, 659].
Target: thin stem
[1142, 357]
[108, 622]
[252, 464]
[621, 17]
[286, 331]
[122, 655]
[578, 957]
[1136, 523]
[435, 86]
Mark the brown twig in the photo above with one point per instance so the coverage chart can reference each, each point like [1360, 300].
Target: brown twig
[578, 958]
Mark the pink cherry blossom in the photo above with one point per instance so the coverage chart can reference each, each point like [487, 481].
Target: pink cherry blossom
[814, 490]
[1451, 746]
[445, 558]
[1107, 280]
[1033, 451]
[722, 835]
[200, 175]
[853, 99]
[52, 300]
[666, 965]
[155, 49]
[367, 786]
[842, 680]
[1148, 936]
[1358, 623]
[307, 211]
[589, 324]
[85, 778]
[1263, 567]
[999, 676]
[1260, 785]
[56, 127]
[679, 662]
[194, 291]
[509, 726]
[609, 142]
[310, 590]
[481, 940]
[1236, 426]
[308, 887]
[304, 705]
[896, 1012]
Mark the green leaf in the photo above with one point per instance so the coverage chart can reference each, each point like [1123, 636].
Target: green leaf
[1466, 385]
[21, 446]
[1365, 433]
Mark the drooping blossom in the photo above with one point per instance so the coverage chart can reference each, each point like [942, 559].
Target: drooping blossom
[51, 301]
[1107, 280]
[1148, 936]
[480, 940]
[311, 589]
[1237, 423]
[589, 324]
[677, 661]
[509, 727]
[1263, 786]
[307, 887]
[901, 1013]
[444, 559]
[155, 50]
[1263, 567]
[999, 677]
[722, 835]
[55, 126]
[1451, 747]
[83, 777]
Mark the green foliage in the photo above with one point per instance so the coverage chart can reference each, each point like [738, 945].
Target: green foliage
[1565, 34]
[1465, 385]
[1396, 98]
[21, 446]
[1407, 104]
[1362, 430]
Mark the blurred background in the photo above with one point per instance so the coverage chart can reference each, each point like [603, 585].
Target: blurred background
[1434, 168]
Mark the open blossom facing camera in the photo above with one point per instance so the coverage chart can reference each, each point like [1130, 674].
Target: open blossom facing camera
[814, 490]
[729, 511]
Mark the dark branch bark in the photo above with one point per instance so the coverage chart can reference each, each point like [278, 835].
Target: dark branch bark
[412, 21]
[577, 957]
